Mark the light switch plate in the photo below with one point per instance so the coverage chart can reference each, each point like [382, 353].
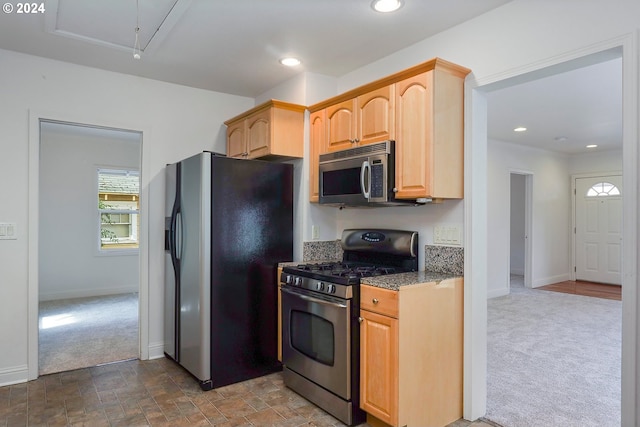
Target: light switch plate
[447, 235]
[8, 231]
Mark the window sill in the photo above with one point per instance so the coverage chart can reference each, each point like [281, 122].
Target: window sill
[118, 252]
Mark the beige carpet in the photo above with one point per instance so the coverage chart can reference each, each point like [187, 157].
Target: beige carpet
[553, 359]
[84, 332]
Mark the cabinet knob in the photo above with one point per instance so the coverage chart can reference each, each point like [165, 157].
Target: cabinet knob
[360, 319]
[395, 189]
[375, 300]
[354, 141]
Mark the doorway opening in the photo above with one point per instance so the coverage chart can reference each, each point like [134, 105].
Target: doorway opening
[521, 184]
[515, 321]
[88, 252]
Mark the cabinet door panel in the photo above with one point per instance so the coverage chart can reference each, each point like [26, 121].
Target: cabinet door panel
[414, 141]
[379, 366]
[318, 145]
[258, 134]
[376, 115]
[235, 140]
[341, 125]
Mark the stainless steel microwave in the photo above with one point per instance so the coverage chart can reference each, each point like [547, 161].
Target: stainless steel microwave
[361, 176]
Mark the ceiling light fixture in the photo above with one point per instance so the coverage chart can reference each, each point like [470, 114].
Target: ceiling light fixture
[561, 138]
[136, 44]
[520, 129]
[290, 61]
[592, 145]
[386, 6]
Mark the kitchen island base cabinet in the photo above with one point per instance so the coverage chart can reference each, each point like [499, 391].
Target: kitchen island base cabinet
[411, 354]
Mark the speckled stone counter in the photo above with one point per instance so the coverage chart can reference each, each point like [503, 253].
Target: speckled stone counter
[441, 262]
[321, 250]
[315, 261]
[395, 281]
[444, 259]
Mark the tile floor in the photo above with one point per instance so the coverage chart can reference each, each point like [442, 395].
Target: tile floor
[157, 393]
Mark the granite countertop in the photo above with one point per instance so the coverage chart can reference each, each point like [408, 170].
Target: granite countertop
[294, 263]
[395, 281]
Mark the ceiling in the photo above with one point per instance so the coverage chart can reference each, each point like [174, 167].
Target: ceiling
[234, 47]
[565, 111]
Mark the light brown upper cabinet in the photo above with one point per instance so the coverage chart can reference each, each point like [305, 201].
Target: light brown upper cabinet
[362, 120]
[318, 145]
[271, 130]
[422, 109]
[430, 135]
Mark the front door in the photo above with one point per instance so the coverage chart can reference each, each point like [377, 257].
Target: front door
[598, 234]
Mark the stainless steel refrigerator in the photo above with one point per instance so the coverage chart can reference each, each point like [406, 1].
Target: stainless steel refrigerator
[228, 222]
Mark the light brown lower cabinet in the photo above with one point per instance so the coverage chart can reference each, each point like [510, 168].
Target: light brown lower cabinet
[411, 354]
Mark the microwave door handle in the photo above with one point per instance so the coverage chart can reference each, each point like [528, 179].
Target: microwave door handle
[365, 171]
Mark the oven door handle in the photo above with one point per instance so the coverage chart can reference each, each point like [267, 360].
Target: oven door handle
[313, 299]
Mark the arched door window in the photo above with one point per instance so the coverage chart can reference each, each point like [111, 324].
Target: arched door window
[603, 189]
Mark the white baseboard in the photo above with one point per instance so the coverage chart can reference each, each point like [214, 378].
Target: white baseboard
[497, 293]
[15, 375]
[156, 350]
[549, 280]
[83, 293]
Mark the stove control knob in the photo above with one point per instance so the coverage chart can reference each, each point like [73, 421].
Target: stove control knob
[320, 286]
[297, 281]
[331, 289]
[288, 279]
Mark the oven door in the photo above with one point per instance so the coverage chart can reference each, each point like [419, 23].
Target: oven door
[316, 339]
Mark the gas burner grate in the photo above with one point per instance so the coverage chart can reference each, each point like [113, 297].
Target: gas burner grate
[346, 269]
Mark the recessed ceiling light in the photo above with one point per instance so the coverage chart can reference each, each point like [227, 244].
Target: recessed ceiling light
[290, 61]
[592, 145]
[386, 6]
[520, 129]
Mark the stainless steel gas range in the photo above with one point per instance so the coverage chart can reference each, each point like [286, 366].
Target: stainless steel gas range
[320, 311]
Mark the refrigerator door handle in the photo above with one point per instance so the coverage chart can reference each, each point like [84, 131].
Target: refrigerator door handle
[178, 237]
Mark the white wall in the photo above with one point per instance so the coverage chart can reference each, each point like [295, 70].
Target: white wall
[551, 210]
[70, 265]
[605, 161]
[176, 121]
[517, 224]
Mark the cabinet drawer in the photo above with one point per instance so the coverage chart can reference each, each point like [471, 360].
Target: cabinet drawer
[379, 300]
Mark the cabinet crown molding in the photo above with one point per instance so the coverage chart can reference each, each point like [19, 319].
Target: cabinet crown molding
[265, 105]
[435, 63]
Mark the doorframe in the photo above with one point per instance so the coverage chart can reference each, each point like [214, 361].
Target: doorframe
[476, 213]
[35, 118]
[528, 221]
[572, 268]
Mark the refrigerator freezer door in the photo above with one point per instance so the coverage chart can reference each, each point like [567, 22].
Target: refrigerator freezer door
[195, 253]
[252, 230]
